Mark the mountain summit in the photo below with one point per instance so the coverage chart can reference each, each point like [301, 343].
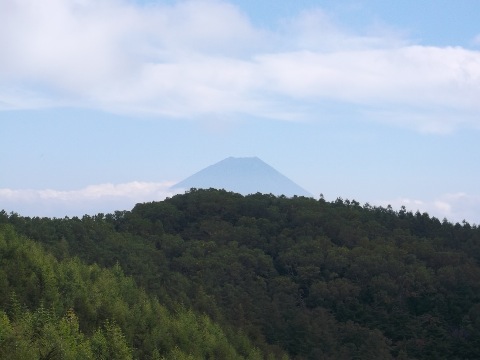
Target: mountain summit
[243, 175]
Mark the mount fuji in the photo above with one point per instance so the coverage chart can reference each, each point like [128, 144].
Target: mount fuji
[247, 175]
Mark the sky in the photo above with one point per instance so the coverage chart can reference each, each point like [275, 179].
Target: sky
[107, 103]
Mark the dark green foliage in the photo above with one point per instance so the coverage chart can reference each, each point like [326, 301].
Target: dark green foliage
[67, 310]
[315, 279]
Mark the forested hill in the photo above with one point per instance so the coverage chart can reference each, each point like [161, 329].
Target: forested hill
[314, 279]
[52, 309]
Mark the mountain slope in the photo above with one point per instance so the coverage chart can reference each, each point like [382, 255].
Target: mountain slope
[315, 279]
[51, 309]
[245, 176]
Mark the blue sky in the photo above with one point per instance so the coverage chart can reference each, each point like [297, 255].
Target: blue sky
[106, 103]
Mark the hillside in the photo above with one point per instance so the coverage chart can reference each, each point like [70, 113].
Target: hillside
[315, 279]
[52, 309]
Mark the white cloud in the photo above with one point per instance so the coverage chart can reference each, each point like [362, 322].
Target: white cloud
[91, 200]
[455, 207]
[196, 59]
[315, 30]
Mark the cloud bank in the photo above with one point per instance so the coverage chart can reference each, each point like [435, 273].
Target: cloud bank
[197, 59]
[91, 200]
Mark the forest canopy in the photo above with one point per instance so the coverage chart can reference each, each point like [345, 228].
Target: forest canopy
[214, 274]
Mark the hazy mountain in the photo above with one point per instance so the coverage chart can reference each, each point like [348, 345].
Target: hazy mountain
[245, 176]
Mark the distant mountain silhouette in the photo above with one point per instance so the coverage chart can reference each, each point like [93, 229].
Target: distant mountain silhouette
[243, 175]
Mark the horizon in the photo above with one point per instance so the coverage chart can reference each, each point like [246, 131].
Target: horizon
[105, 104]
